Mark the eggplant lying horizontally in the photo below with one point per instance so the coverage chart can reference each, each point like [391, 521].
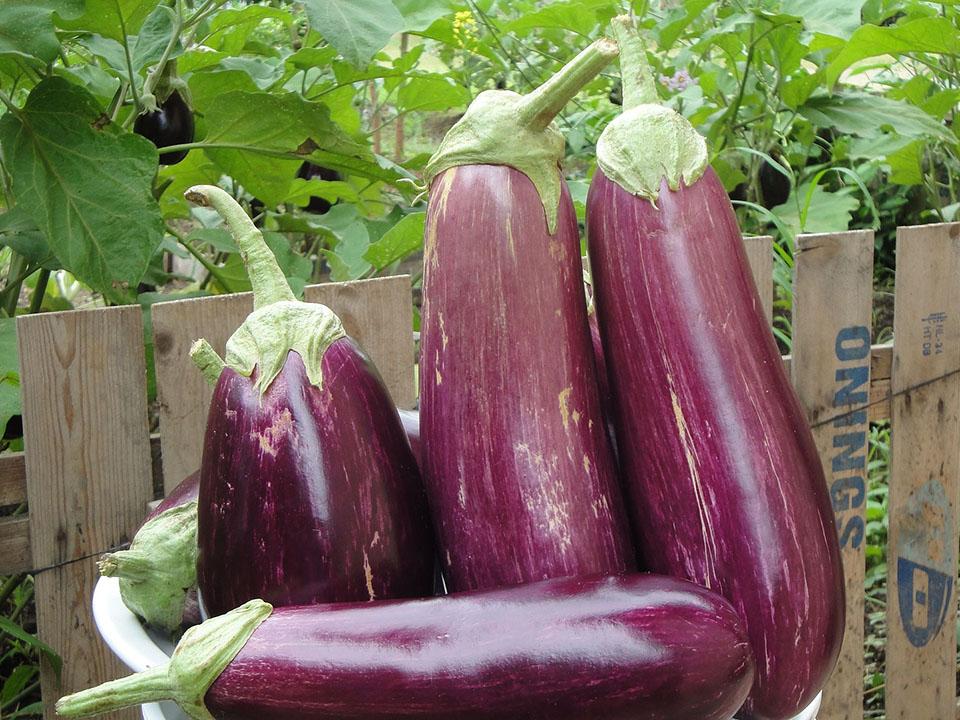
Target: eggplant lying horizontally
[724, 481]
[309, 491]
[519, 471]
[636, 647]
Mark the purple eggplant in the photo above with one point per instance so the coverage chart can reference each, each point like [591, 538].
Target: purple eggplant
[185, 491]
[636, 647]
[724, 481]
[518, 468]
[309, 491]
[411, 426]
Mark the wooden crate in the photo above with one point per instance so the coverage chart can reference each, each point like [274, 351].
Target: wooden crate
[90, 461]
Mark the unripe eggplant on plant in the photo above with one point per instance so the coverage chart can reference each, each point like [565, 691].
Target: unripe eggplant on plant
[309, 491]
[636, 647]
[724, 482]
[518, 468]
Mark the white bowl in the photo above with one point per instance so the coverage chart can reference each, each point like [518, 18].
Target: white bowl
[140, 649]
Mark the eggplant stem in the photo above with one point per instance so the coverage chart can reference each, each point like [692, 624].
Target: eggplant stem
[207, 359]
[639, 87]
[150, 685]
[538, 109]
[267, 279]
[127, 563]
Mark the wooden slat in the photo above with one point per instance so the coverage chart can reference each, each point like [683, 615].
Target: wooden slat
[88, 472]
[377, 313]
[832, 301]
[925, 459]
[760, 255]
[13, 479]
[14, 545]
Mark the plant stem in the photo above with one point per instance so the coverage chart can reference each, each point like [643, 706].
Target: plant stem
[15, 278]
[130, 73]
[212, 269]
[22, 694]
[151, 82]
[11, 584]
[37, 299]
[638, 84]
[540, 107]
[6, 100]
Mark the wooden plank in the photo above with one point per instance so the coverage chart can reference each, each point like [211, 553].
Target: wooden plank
[378, 313]
[88, 473]
[832, 301]
[925, 459]
[760, 255]
[14, 545]
[13, 479]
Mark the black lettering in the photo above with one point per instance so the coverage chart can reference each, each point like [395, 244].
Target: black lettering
[853, 343]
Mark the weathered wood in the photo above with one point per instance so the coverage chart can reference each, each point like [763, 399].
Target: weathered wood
[925, 458]
[832, 300]
[88, 472]
[13, 479]
[377, 313]
[760, 255]
[14, 545]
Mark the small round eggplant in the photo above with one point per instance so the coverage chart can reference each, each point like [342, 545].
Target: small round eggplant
[170, 124]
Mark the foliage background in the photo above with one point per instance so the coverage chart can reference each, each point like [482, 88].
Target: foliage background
[821, 115]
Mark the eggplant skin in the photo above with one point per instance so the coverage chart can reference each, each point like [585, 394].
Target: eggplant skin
[633, 647]
[185, 491]
[310, 494]
[519, 472]
[724, 482]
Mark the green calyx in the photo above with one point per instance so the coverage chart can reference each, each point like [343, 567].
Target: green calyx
[159, 568]
[647, 142]
[279, 322]
[201, 655]
[503, 128]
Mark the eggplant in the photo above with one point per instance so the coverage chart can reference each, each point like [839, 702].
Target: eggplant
[185, 491]
[636, 647]
[517, 465]
[410, 419]
[724, 482]
[309, 491]
[170, 124]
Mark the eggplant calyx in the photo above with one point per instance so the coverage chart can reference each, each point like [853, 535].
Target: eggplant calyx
[279, 322]
[201, 655]
[501, 127]
[159, 568]
[648, 142]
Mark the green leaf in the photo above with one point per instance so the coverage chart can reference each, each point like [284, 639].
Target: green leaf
[930, 34]
[154, 37]
[866, 115]
[20, 233]
[330, 190]
[31, 710]
[26, 30]
[9, 372]
[358, 29]
[195, 169]
[839, 18]
[11, 628]
[249, 121]
[421, 14]
[263, 71]
[231, 28]
[111, 18]
[431, 92]
[21, 675]
[826, 212]
[217, 238]
[580, 16]
[906, 164]
[87, 187]
[399, 241]
[346, 260]
[294, 265]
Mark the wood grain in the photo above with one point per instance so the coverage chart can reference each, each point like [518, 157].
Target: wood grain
[13, 479]
[832, 303]
[760, 255]
[378, 313]
[88, 472]
[925, 459]
[14, 545]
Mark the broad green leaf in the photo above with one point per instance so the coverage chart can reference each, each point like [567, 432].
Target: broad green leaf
[110, 50]
[199, 58]
[421, 14]
[263, 71]
[31, 710]
[21, 675]
[399, 241]
[231, 28]
[217, 238]
[111, 18]
[431, 92]
[95, 79]
[26, 30]
[19, 232]
[866, 115]
[153, 38]
[207, 87]
[292, 263]
[330, 190]
[580, 16]
[358, 29]
[798, 90]
[930, 35]
[906, 164]
[827, 212]
[9, 372]
[86, 186]
[839, 18]
[195, 169]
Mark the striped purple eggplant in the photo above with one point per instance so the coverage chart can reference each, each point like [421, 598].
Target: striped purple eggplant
[309, 491]
[637, 647]
[185, 491]
[724, 481]
[519, 471]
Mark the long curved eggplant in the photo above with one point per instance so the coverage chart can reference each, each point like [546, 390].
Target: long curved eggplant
[519, 471]
[725, 485]
[309, 491]
[637, 647]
